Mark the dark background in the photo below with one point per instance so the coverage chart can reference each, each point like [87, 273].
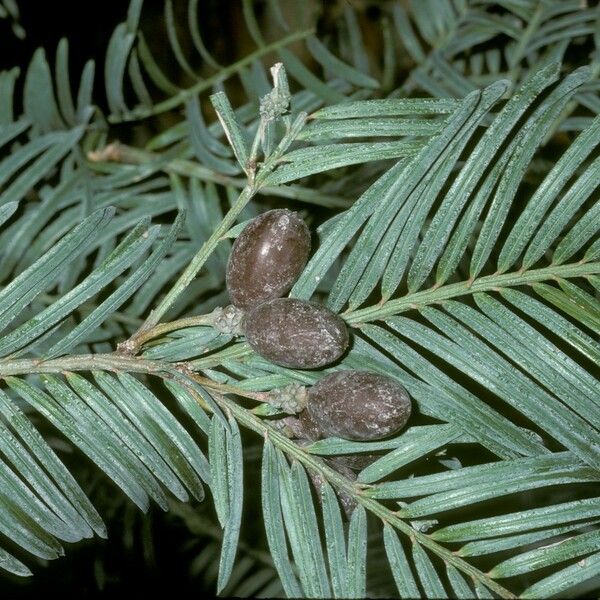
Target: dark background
[87, 25]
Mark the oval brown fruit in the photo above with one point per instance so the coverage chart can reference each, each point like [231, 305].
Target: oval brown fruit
[358, 405]
[267, 258]
[296, 333]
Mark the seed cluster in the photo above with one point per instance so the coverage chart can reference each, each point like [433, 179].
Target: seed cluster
[265, 262]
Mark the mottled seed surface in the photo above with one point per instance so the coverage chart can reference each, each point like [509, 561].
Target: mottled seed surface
[358, 405]
[307, 428]
[296, 333]
[267, 258]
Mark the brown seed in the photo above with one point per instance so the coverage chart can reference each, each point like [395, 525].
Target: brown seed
[358, 405]
[307, 428]
[267, 258]
[296, 333]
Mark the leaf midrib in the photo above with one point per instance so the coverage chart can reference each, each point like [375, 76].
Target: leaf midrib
[481, 284]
